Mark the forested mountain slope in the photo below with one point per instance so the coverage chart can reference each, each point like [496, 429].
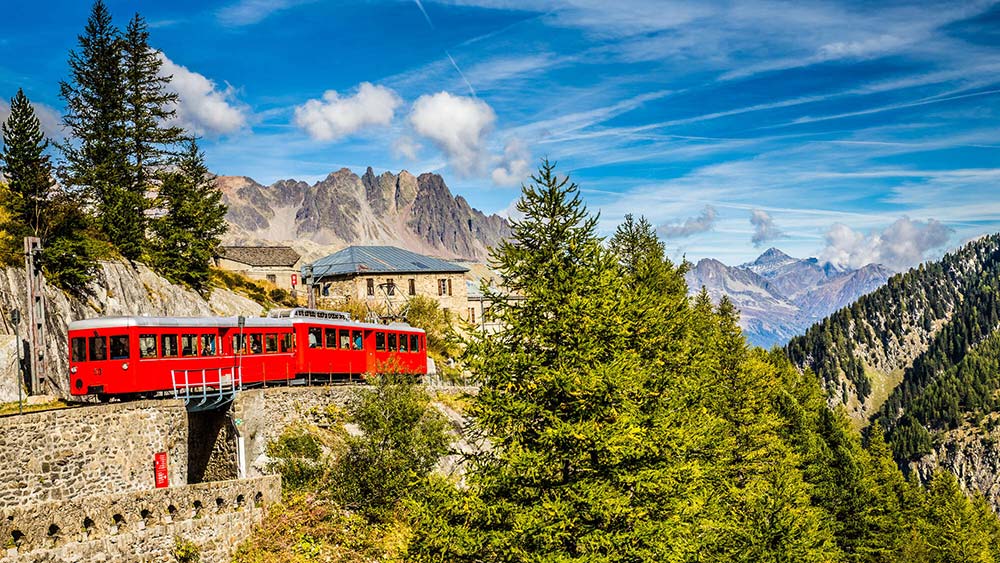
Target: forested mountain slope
[921, 357]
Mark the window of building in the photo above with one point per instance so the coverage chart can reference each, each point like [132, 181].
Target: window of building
[255, 344]
[271, 343]
[359, 343]
[98, 348]
[442, 287]
[449, 286]
[189, 345]
[168, 345]
[79, 349]
[379, 341]
[331, 338]
[390, 286]
[272, 278]
[412, 286]
[315, 336]
[208, 345]
[119, 347]
[371, 286]
[326, 290]
[414, 343]
[147, 346]
[345, 339]
[472, 314]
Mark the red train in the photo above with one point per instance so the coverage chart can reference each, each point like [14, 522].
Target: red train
[130, 356]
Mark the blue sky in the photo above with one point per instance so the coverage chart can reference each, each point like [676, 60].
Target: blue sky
[849, 131]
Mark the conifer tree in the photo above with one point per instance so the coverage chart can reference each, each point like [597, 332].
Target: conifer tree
[26, 166]
[96, 153]
[187, 234]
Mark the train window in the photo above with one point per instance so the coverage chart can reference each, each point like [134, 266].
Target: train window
[392, 341]
[119, 347]
[239, 344]
[168, 344]
[189, 345]
[315, 334]
[208, 345]
[414, 343]
[78, 349]
[331, 338]
[403, 341]
[379, 341]
[271, 343]
[255, 344]
[98, 348]
[359, 343]
[345, 339]
[147, 345]
[287, 342]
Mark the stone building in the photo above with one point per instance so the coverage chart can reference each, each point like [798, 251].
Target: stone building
[276, 264]
[379, 274]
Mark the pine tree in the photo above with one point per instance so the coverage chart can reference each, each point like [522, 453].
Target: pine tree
[97, 153]
[29, 173]
[187, 234]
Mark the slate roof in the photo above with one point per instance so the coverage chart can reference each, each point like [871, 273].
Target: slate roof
[275, 256]
[358, 260]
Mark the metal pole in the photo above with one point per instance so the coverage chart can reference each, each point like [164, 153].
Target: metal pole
[242, 346]
[15, 319]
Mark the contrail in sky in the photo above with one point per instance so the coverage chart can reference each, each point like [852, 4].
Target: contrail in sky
[450, 58]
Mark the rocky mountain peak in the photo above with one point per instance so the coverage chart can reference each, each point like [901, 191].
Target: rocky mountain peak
[418, 213]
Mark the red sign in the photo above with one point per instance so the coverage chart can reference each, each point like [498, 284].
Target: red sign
[295, 279]
[160, 469]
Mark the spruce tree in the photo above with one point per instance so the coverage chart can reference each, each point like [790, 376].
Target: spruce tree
[96, 153]
[187, 233]
[26, 166]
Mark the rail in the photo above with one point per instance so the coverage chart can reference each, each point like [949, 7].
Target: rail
[206, 389]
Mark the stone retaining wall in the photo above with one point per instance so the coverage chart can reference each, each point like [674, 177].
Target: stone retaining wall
[138, 526]
[104, 449]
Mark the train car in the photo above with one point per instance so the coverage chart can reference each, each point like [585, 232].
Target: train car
[333, 345]
[144, 355]
[141, 356]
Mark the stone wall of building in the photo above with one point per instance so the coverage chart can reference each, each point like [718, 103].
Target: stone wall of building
[107, 449]
[338, 291]
[139, 526]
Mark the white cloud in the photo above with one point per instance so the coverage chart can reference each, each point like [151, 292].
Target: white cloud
[48, 118]
[515, 164]
[901, 245]
[764, 229]
[692, 225]
[335, 116]
[203, 109]
[248, 12]
[457, 125]
[406, 146]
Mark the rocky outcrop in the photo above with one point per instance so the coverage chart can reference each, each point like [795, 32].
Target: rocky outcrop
[972, 453]
[416, 213]
[118, 289]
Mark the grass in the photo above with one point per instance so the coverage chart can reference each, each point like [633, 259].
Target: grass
[11, 408]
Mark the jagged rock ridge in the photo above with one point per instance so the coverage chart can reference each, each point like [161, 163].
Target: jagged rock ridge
[418, 213]
[780, 296]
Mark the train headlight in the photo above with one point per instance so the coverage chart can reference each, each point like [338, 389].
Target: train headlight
[72, 369]
[125, 365]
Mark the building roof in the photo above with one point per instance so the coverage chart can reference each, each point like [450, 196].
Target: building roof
[284, 256]
[360, 260]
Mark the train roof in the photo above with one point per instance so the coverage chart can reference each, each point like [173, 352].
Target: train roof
[225, 322]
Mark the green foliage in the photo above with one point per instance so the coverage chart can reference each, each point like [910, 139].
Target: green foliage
[401, 439]
[426, 313]
[299, 456]
[256, 290]
[187, 235]
[185, 551]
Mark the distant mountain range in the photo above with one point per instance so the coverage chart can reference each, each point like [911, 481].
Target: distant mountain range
[418, 213]
[780, 296]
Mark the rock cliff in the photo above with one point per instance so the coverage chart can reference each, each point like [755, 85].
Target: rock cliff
[118, 289]
[418, 213]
